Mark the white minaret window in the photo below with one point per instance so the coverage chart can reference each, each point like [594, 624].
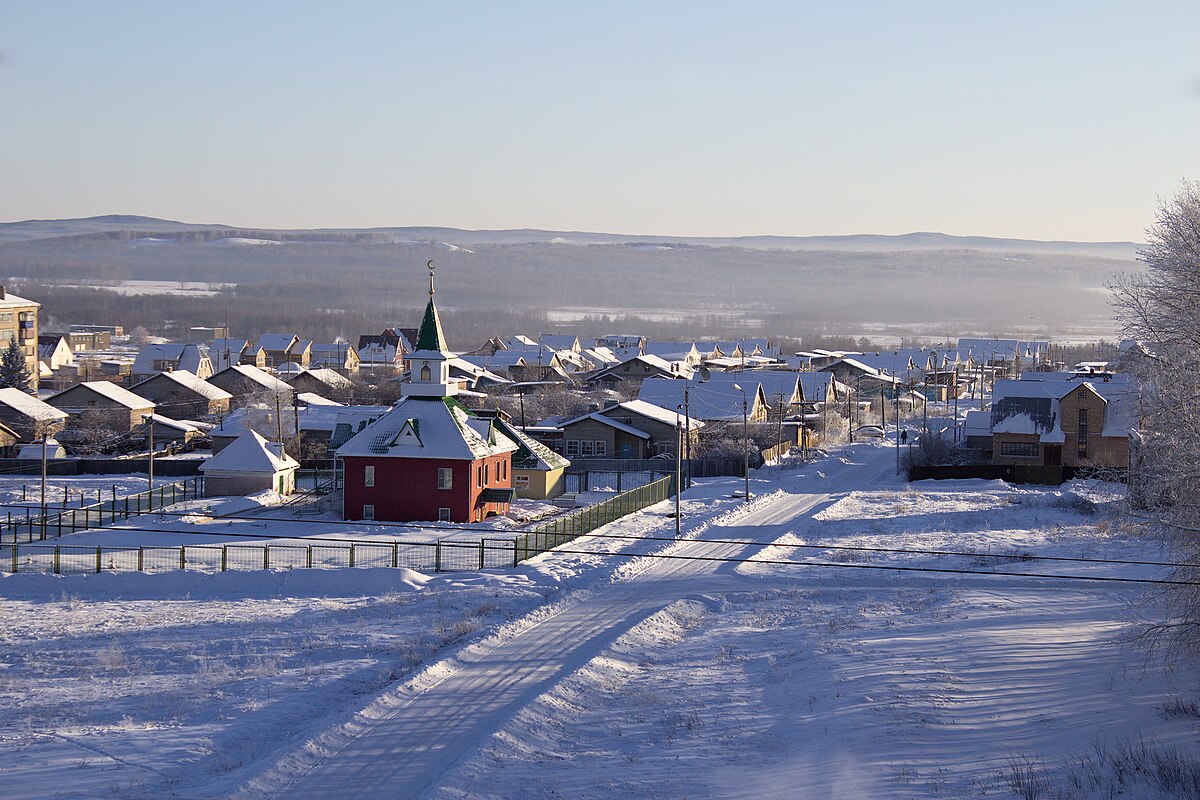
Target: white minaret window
[425, 374]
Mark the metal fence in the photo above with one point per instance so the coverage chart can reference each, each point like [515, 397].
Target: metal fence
[446, 555]
[443, 555]
[34, 526]
[564, 529]
[608, 480]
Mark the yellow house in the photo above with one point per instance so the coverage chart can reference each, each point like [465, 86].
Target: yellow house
[538, 472]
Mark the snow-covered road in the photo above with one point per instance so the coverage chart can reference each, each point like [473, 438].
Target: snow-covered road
[405, 752]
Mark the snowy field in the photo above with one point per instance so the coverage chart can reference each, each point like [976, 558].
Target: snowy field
[605, 670]
[24, 492]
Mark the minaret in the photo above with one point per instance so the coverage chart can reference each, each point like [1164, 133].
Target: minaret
[429, 375]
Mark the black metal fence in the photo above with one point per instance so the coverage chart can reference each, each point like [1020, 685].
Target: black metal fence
[34, 526]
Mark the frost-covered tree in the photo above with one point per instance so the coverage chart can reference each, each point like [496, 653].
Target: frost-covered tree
[12, 368]
[1160, 310]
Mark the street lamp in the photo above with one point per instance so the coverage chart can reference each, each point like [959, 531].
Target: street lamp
[746, 435]
[678, 466]
[149, 420]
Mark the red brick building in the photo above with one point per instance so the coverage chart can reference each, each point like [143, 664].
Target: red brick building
[428, 458]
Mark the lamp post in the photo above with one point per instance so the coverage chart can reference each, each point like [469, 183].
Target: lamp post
[678, 467]
[44, 435]
[746, 436]
[149, 420]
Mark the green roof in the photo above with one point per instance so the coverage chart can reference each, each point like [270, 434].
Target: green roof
[430, 337]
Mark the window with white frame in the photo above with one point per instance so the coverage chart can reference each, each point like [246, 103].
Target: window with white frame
[369, 475]
[445, 478]
[443, 515]
[573, 447]
[368, 512]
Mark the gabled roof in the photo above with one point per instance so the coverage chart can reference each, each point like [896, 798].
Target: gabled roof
[253, 373]
[706, 401]
[181, 356]
[531, 454]
[427, 428]
[277, 341]
[643, 408]
[329, 377]
[250, 452]
[596, 416]
[30, 406]
[188, 380]
[117, 394]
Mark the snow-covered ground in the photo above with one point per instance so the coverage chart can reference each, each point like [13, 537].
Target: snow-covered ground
[603, 671]
[24, 492]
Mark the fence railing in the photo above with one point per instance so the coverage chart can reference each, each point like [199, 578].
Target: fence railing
[34, 526]
[443, 555]
[566, 528]
[446, 555]
[607, 480]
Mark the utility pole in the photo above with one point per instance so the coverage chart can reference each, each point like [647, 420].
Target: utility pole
[687, 424]
[296, 418]
[149, 420]
[45, 434]
[278, 420]
[678, 468]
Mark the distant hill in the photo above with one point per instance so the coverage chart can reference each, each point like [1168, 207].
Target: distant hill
[30, 230]
[328, 282]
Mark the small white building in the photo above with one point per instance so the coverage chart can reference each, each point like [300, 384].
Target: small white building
[247, 465]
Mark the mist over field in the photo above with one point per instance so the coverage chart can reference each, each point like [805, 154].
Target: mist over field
[330, 283]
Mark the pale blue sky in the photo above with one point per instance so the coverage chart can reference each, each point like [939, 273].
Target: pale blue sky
[1032, 119]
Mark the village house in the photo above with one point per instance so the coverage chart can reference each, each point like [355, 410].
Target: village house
[249, 464]
[639, 368]
[183, 395]
[28, 416]
[19, 323]
[168, 433]
[246, 383]
[156, 358]
[340, 356]
[539, 473]
[223, 352]
[429, 457]
[1074, 423]
[707, 401]
[104, 403]
[54, 351]
[278, 349]
[320, 380]
[633, 429]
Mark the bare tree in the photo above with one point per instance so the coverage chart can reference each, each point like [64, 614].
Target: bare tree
[1160, 309]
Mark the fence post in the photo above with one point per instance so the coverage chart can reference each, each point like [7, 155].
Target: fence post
[141, 559]
[182, 556]
[481, 553]
[308, 556]
[14, 555]
[437, 556]
[352, 555]
[74, 526]
[56, 560]
[266, 556]
[395, 555]
[516, 560]
[98, 559]
[224, 557]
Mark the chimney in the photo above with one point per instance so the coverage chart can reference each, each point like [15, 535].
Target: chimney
[3, 296]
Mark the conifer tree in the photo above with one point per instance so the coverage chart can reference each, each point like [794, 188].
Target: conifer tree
[12, 368]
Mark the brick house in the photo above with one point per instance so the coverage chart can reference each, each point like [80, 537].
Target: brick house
[19, 323]
[429, 457]
[1073, 423]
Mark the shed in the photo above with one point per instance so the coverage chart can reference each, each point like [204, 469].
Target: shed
[247, 465]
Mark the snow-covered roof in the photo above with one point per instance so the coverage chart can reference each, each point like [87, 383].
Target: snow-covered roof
[330, 377]
[190, 381]
[655, 412]
[11, 300]
[30, 406]
[314, 399]
[253, 373]
[706, 401]
[323, 417]
[428, 428]
[978, 423]
[250, 452]
[175, 424]
[815, 385]
[596, 416]
[531, 454]
[277, 341]
[110, 391]
[181, 356]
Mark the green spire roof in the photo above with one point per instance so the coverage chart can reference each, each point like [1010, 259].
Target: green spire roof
[430, 337]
